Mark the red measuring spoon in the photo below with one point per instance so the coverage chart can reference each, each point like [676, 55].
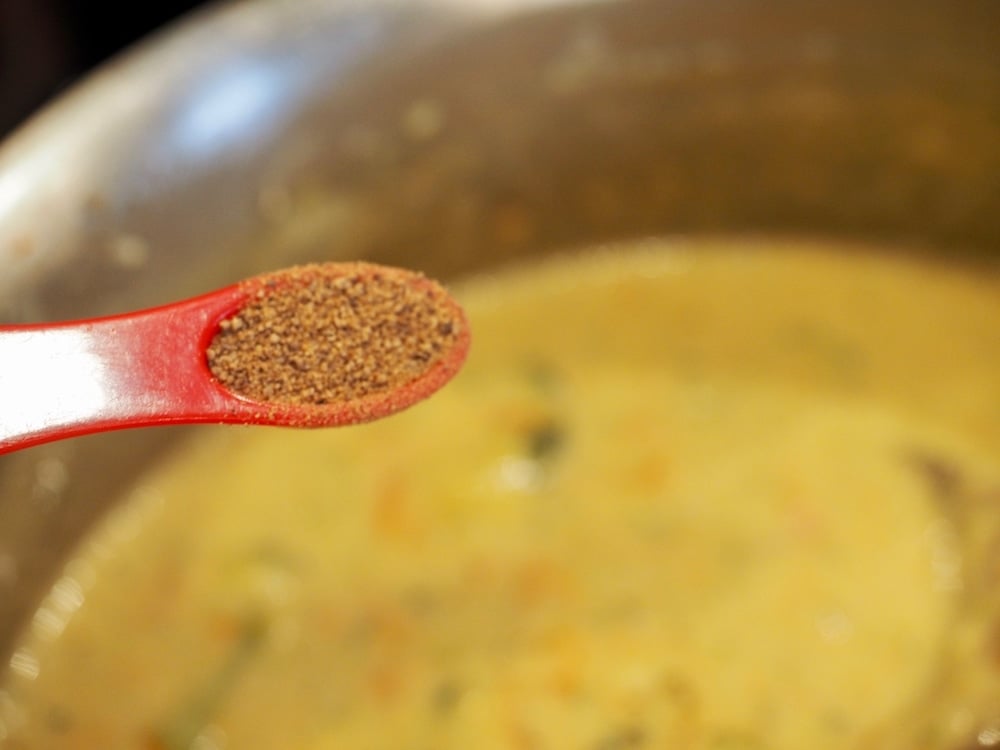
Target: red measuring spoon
[150, 367]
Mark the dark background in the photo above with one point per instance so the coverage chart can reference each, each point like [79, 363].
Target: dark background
[45, 45]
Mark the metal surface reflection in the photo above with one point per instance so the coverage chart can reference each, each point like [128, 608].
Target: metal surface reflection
[236, 105]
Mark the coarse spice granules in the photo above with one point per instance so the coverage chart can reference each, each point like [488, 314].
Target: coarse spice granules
[326, 334]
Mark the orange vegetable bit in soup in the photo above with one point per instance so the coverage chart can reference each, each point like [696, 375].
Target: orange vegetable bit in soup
[683, 495]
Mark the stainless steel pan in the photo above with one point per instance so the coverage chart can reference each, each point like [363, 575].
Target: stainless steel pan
[453, 134]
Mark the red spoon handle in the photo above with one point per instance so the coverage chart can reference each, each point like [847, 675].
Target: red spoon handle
[131, 370]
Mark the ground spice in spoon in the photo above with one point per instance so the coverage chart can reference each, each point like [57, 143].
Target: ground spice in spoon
[326, 334]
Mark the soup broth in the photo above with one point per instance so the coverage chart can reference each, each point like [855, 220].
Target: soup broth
[715, 494]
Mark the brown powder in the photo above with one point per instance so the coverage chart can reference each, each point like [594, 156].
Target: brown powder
[326, 334]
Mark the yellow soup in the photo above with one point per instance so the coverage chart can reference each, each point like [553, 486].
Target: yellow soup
[684, 495]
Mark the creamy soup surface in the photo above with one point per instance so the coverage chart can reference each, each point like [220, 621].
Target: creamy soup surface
[683, 495]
